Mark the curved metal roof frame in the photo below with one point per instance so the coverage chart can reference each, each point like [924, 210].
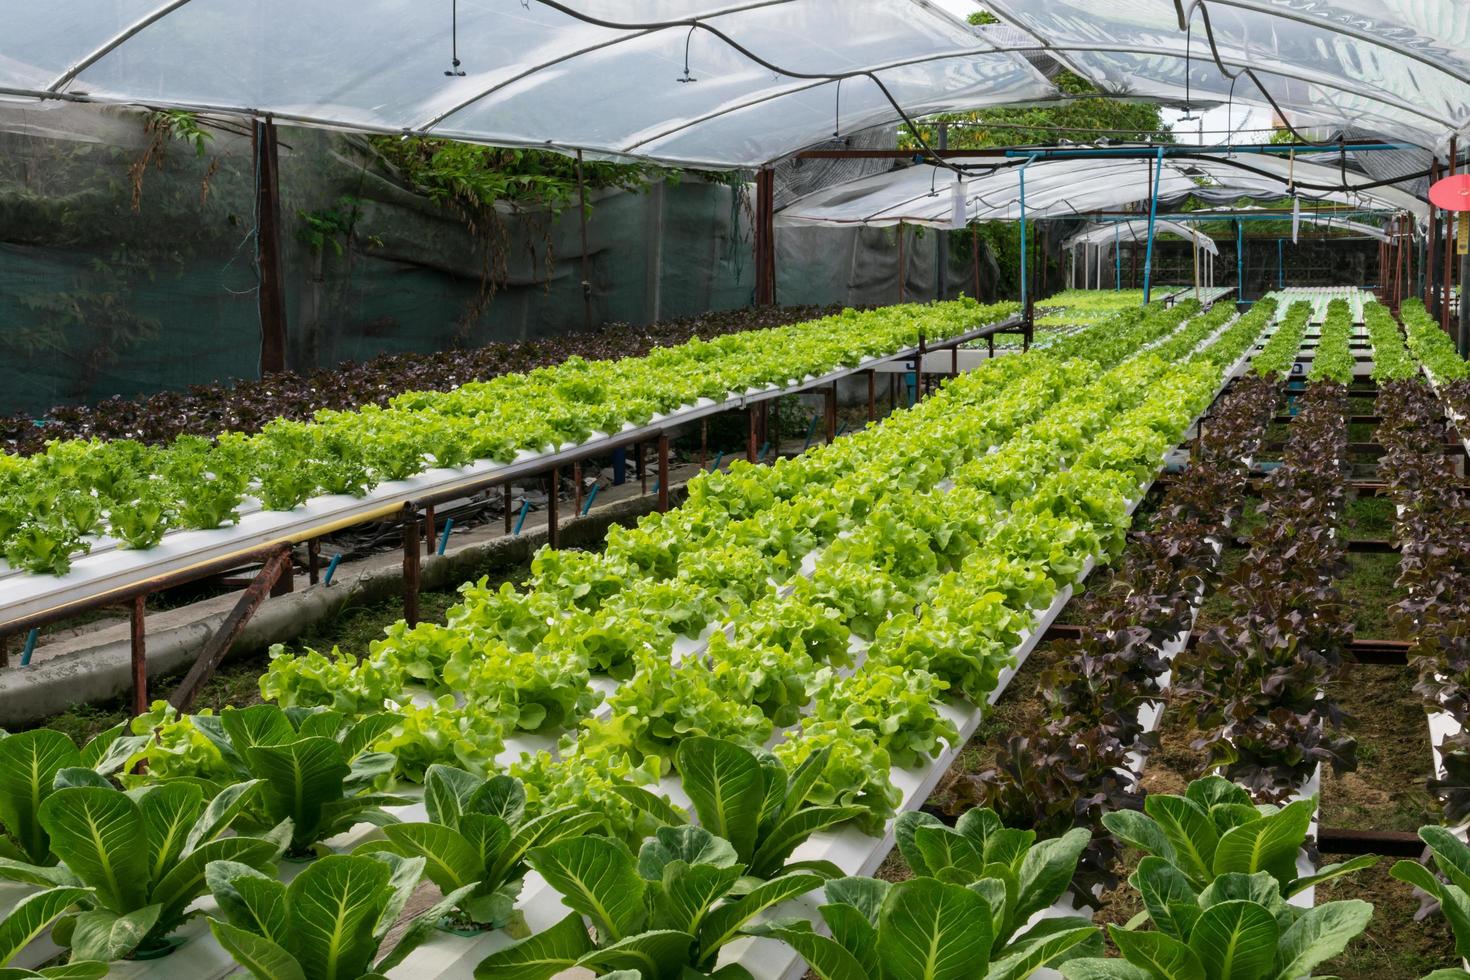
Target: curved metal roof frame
[1059, 188]
[1137, 231]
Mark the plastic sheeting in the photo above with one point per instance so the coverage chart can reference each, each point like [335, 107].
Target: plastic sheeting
[667, 79]
[1137, 231]
[1400, 68]
[922, 195]
[528, 74]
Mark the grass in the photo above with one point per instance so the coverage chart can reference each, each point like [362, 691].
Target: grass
[1368, 588]
[1368, 518]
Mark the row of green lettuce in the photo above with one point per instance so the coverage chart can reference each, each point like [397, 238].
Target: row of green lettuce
[932, 538]
[117, 874]
[55, 504]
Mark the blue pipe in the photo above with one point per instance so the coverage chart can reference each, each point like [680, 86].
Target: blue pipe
[444, 538]
[811, 430]
[762, 454]
[1239, 265]
[591, 497]
[331, 569]
[1024, 257]
[841, 429]
[521, 520]
[719, 458]
[30, 647]
[1153, 213]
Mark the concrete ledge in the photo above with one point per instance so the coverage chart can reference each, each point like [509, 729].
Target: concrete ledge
[97, 667]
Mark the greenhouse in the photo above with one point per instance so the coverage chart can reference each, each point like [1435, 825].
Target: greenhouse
[745, 489]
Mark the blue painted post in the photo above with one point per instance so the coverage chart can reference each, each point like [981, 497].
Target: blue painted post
[811, 430]
[1024, 256]
[331, 569]
[30, 647]
[591, 497]
[526, 509]
[1153, 212]
[1239, 264]
[444, 538]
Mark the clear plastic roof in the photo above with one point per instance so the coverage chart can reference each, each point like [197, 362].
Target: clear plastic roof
[923, 195]
[732, 82]
[1400, 68]
[532, 74]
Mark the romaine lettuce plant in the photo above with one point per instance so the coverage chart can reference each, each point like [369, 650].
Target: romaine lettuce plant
[1238, 926]
[476, 839]
[1018, 875]
[29, 764]
[665, 913]
[1452, 891]
[1215, 829]
[923, 929]
[750, 800]
[29, 920]
[316, 770]
[142, 855]
[328, 924]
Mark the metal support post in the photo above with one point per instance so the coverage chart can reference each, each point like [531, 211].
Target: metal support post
[663, 472]
[313, 560]
[831, 394]
[412, 531]
[430, 532]
[872, 399]
[507, 508]
[139, 657]
[271, 297]
[586, 277]
[553, 499]
[223, 638]
[577, 487]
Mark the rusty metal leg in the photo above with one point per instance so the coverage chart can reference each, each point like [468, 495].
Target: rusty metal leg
[140, 659]
[507, 508]
[429, 529]
[577, 488]
[219, 644]
[286, 581]
[832, 413]
[313, 560]
[872, 393]
[771, 421]
[411, 535]
[551, 506]
[703, 443]
[663, 471]
[750, 446]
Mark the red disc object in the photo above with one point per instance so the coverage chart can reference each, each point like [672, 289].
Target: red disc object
[1452, 193]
